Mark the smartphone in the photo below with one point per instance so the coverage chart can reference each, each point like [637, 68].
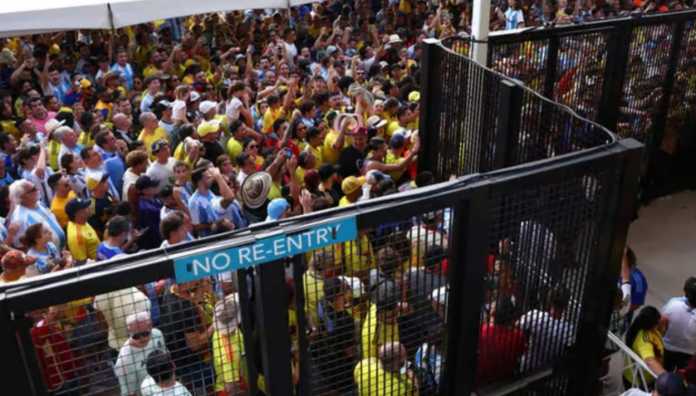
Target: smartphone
[288, 153]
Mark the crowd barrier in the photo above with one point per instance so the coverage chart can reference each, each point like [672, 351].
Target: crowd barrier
[633, 75]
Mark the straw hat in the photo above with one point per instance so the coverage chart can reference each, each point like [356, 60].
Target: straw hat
[255, 189]
[227, 314]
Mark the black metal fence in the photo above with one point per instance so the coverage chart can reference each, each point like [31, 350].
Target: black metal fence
[632, 75]
[477, 120]
[473, 284]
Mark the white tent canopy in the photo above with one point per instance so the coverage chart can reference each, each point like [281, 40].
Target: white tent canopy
[19, 17]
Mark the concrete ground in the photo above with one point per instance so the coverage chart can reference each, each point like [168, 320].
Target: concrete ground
[664, 239]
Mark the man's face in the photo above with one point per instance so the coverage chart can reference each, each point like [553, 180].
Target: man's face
[38, 110]
[94, 160]
[122, 58]
[163, 153]
[109, 142]
[154, 86]
[54, 77]
[360, 142]
[70, 138]
[125, 107]
[140, 333]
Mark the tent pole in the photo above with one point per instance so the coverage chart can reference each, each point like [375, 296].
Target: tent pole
[113, 32]
[479, 30]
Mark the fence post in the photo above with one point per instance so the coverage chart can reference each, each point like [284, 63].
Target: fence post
[618, 49]
[509, 113]
[466, 292]
[272, 315]
[19, 375]
[598, 305]
[551, 66]
[431, 100]
[248, 327]
[299, 264]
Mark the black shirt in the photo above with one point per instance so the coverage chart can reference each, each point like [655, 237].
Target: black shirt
[178, 317]
[212, 151]
[350, 162]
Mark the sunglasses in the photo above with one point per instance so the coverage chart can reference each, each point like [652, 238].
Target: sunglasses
[142, 334]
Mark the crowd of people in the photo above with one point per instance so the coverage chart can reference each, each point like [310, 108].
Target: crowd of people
[665, 340]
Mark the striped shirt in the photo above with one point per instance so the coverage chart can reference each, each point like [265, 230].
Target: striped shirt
[45, 260]
[26, 217]
[204, 209]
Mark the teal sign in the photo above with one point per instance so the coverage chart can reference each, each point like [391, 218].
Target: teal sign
[264, 250]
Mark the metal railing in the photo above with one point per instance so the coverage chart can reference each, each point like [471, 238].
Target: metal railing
[641, 374]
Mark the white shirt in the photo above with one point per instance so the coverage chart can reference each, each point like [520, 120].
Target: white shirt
[232, 109]
[130, 365]
[161, 172]
[179, 110]
[681, 332]
[513, 18]
[116, 306]
[635, 392]
[548, 338]
[150, 388]
[129, 179]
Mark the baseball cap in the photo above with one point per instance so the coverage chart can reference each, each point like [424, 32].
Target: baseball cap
[397, 141]
[75, 205]
[671, 384]
[414, 96]
[208, 127]
[85, 83]
[157, 145]
[144, 182]
[351, 183]
[276, 208]
[207, 105]
[16, 259]
[194, 96]
[94, 179]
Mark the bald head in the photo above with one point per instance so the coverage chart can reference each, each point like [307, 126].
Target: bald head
[121, 121]
[392, 355]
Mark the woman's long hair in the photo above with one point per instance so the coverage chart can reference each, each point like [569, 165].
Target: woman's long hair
[648, 318]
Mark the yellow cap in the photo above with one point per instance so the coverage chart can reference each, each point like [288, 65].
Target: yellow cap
[351, 183]
[85, 83]
[208, 127]
[414, 96]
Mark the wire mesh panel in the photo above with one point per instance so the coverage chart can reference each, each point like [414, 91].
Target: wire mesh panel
[543, 242]
[680, 116]
[645, 73]
[580, 68]
[375, 309]
[144, 340]
[466, 119]
[525, 61]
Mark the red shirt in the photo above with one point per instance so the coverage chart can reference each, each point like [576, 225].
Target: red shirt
[500, 349]
[55, 356]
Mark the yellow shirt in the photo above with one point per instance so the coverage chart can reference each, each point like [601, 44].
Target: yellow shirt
[53, 150]
[392, 127]
[393, 159]
[376, 333]
[82, 241]
[228, 350]
[373, 380]
[648, 344]
[329, 155]
[317, 153]
[150, 70]
[58, 208]
[270, 117]
[314, 292]
[234, 148]
[274, 192]
[149, 138]
[10, 127]
[85, 139]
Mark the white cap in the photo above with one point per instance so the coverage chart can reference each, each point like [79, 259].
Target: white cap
[195, 96]
[207, 105]
[53, 124]
[137, 318]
